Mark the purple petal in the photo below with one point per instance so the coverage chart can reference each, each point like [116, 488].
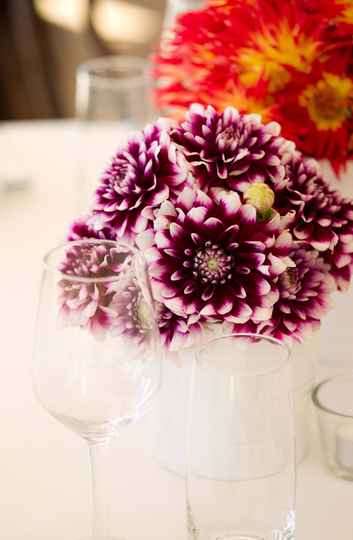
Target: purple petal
[186, 198]
[278, 266]
[158, 197]
[229, 201]
[247, 214]
[252, 259]
[163, 240]
[341, 259]
[261, 286]
[140, 224]
[197, 215]
[241, 312]
[303, 232]
[323, 239]
[145, 239]
[225, 307]
[176, 231]
[283, 243]
[177, 275]
[208, 293]
[262, 314]
[190, 288]
[208, 310]
[157, 270]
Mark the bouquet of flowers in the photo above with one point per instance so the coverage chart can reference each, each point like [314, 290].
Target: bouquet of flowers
[290, 61]
[239, 230]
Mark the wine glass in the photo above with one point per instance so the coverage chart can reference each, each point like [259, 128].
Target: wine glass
[97, 359]
[241, 444]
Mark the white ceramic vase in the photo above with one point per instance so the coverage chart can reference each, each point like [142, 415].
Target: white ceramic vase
[169, 419]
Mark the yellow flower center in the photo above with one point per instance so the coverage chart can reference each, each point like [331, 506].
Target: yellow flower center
[329, 102]
[271, 51]
[213, 264]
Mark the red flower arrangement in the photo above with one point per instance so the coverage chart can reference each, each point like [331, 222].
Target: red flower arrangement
[291, 61]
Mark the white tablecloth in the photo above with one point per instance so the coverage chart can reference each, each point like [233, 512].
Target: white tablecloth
[44, 475]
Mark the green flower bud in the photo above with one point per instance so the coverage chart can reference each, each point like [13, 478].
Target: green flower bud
[261, 196]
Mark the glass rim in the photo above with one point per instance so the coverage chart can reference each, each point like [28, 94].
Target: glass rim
[320, 405]
[92, 66]
[253, 335]
[259, 337]
[69, 277]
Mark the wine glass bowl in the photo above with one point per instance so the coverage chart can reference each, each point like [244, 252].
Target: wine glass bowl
[95, 363]
[97, 390]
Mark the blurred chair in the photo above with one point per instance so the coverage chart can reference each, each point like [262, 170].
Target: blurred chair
[24, 88]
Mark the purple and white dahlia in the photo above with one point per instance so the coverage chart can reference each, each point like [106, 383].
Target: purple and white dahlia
[87, 287]
[304, 298]
[232, 150]
[100, 290]
[210, 257]
[239, 229]
[316, 204]
[86, 228]
[323, 218]
[148, 171]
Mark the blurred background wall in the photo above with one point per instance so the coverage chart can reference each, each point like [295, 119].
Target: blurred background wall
[43, 41]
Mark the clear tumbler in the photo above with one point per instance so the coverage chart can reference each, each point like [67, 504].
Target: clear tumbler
[241, 444]
[113, 98]
[333, 399]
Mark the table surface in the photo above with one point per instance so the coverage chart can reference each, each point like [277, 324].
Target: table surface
[44, 474]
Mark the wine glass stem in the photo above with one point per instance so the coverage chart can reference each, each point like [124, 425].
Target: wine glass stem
[101, 480]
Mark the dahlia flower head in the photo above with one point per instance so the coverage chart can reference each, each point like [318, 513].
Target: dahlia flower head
[239, 230]
[291, 62]
[99, 289]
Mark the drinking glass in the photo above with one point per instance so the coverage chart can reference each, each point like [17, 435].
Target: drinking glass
[333, 400]
[113, 98]
[97, 359]
[241, 446]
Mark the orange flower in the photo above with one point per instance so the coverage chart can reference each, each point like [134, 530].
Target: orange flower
[329, 101]
[288, 61]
